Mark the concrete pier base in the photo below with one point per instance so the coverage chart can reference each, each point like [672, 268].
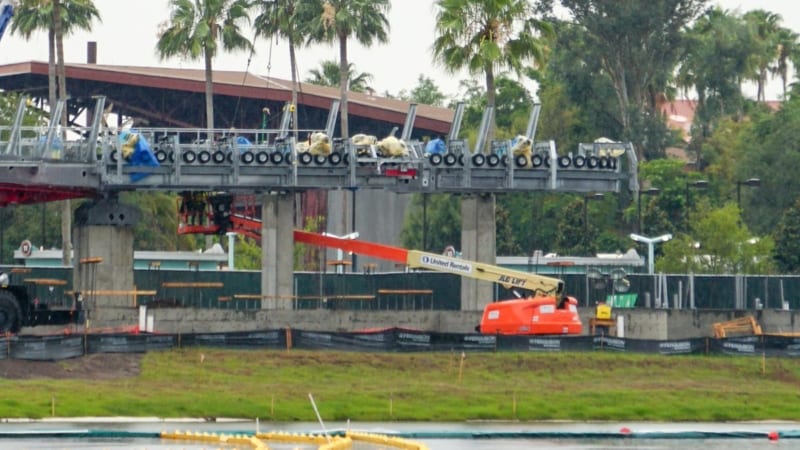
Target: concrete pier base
[477, 244]
[277, 251]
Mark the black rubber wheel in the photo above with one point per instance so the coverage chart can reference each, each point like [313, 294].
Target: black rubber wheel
[335, 158]
[592, 162]
[450, 159]
[276, 157]
[320, 159]
[346, 159]
[262, 158]
[305, 158]
[204, 157]
[461, 159]
[478, 160]
[171, 154]
[436, 159]
[218, 157]
[522, 161]
[564, 162]
[246, 157]
[161, 156]
[113, 156]
[189, 157]
[9, 313]
[579, 161]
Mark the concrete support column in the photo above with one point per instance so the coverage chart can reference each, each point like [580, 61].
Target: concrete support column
[477, 244]
[277, 251]
[102, 239]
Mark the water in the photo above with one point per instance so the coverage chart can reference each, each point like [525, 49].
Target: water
[564, 440]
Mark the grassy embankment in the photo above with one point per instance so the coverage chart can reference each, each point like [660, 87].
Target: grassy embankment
[274, 385]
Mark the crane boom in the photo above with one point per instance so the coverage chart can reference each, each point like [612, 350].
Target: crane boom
[415, 259]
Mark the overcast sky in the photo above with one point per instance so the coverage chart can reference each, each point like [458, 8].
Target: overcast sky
[127, 36]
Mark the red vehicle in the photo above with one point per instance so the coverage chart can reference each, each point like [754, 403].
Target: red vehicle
[542, 309]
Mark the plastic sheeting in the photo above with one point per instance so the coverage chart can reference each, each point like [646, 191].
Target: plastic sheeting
[384, 340]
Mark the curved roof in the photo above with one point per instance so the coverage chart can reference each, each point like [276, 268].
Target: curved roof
[158, 95]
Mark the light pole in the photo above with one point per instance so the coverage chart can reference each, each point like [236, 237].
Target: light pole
[649, 191]
[752, 182]
[698, 184]
[650, 244]
[586, 198]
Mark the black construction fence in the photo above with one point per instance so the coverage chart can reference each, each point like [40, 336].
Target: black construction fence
[422, 290]
[60, 347]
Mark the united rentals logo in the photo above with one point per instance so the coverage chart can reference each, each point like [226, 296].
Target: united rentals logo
[445, 263]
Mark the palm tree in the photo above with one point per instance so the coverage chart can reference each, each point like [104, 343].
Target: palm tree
[195, 30]
[59, 18]
[765, 31]
[338, 21]
[788, 51]
[279, 19]
[485, 37]
[329, 74]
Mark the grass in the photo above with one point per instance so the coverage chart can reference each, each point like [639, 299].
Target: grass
[274, 385]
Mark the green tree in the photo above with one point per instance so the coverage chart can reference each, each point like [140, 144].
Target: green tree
[482, 37]
[426, 92]
[717, 61]
[787, 240]
[339, 21]
[196, 29]
[329, 74]
[637, 46]
[577, 235]
[765, 31]
[788, 53]
[434, 217]
[717, 243]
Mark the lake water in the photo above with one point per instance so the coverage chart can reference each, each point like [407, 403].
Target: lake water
[550, 435]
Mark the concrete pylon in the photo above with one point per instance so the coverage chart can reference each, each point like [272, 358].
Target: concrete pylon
[477, 244]
[277, 251]
[102, 238]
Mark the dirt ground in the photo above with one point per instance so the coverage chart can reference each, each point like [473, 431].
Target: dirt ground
[97, 366]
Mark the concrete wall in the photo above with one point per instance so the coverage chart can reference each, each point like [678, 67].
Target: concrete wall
[639, 323]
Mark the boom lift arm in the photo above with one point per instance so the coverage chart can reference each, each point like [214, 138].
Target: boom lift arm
[414, 259]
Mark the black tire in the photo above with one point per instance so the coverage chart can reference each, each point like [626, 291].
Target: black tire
[113, 156]
[305, 158]
[504, 160]
[564, 162]
[335, 158]
[461, 159]
[189, 156]
[450, 159]
[492, 160]
[171, 154]
[436, 159]
[262, 158]
[522, 161]
[204, 157]
[604, 162]
[478, 160]
[161, 156]
[579, 161]
[592, 162]
[612, 163]
[218, 157]
[10, 317]
[320, 160]
[276, 157]
[346, 159]
[246, 157]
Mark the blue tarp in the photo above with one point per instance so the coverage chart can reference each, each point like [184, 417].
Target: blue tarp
[435, 146]
[142, 154]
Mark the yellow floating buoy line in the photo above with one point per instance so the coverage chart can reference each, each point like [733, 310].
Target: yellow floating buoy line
[259, 440]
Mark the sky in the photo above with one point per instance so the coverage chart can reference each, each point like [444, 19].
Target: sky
[127, 36]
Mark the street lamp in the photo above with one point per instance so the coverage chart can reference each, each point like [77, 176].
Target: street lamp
[649, 191]
[698, 184]
[752, 182]
[650, 243]
[586, 198]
